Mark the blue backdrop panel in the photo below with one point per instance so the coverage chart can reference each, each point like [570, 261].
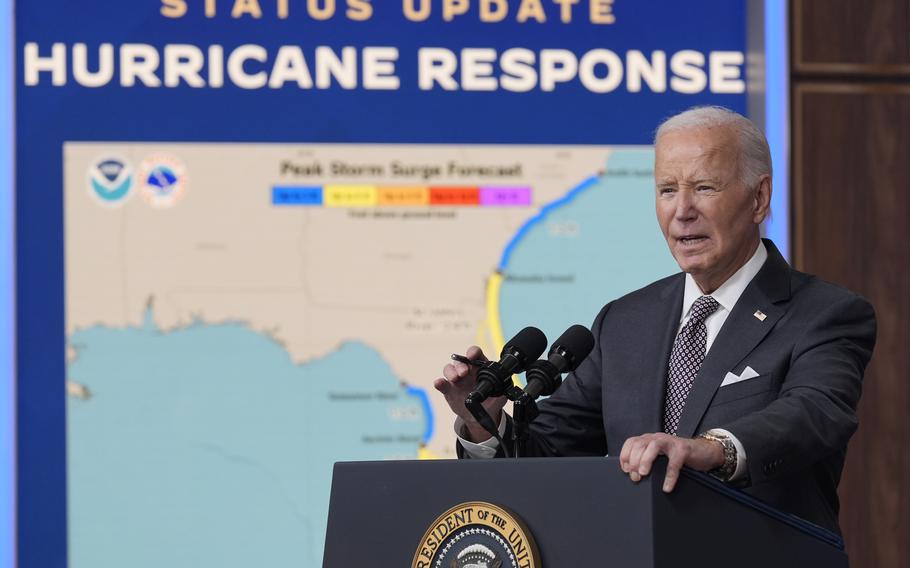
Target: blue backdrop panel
[49, 114]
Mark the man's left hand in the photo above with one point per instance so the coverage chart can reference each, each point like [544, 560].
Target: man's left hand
[638, 455]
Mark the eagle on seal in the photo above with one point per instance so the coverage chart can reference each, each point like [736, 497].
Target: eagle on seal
[476, 556]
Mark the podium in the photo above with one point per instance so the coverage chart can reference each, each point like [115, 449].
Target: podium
[580, 511]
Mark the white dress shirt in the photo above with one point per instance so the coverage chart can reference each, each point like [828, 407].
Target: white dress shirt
[727, 296]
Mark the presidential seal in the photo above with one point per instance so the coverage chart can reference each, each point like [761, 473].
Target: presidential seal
[476, 535]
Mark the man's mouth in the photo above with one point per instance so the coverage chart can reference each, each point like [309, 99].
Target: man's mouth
[689, 240]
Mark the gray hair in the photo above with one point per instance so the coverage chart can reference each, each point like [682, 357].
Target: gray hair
[754, 153]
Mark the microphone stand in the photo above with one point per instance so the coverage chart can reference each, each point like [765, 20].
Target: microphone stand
[486, 421]
[524, 410]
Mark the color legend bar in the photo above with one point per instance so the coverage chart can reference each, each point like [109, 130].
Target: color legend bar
[352, 196]
[455, 196]
[392, 196]
[505, 196]
[283, 195]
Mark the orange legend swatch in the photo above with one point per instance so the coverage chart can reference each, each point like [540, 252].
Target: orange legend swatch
[402, 196]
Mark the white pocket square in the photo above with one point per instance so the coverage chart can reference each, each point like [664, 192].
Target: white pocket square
[730, 378]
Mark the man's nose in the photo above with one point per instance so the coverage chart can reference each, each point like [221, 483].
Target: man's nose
[685, 206]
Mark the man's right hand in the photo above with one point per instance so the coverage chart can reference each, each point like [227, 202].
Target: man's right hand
[457, 382]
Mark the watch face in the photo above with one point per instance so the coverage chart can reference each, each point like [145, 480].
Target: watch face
[725, 471]
[729, 458]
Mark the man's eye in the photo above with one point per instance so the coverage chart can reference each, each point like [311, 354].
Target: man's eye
[705, 188]
[665, 190]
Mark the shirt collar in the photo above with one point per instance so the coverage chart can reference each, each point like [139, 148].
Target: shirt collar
[730, 291]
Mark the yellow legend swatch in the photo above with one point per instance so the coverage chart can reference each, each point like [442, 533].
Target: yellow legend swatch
[405, 195]
[349, 195]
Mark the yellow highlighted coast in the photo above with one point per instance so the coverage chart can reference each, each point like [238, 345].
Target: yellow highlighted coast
[424, 454]
[494, 324]
[492, 327]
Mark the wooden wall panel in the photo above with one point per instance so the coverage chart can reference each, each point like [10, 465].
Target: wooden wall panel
[850, 78]
[852, 36]
[851, 192]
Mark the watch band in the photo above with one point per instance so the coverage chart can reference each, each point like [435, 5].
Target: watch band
[725, 471]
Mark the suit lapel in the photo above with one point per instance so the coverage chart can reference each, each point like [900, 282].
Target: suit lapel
[654, 378]
[740, 334]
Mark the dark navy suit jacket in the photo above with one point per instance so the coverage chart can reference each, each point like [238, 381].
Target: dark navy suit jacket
[794, 419]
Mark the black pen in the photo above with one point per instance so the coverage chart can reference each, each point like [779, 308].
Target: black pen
[466, 361]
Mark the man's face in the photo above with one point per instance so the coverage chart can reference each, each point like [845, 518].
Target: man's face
[710, 220]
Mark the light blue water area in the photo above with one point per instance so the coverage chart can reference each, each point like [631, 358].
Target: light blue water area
[601, 245]
[208, 446]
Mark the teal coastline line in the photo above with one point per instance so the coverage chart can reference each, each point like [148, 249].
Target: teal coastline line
[427, 409]
[546, 210]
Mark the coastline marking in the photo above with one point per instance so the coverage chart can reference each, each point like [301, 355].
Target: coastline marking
[541, 215]
[427, 410]
[494, 325]
[494, 283]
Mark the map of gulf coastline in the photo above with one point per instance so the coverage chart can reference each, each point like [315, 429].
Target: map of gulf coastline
[226, 349]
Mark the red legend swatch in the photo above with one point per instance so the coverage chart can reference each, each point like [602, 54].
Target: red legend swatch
[454, 195]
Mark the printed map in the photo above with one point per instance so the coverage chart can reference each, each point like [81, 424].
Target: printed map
[242, 316]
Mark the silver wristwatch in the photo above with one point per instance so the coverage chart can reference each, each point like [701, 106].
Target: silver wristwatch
[725, 471]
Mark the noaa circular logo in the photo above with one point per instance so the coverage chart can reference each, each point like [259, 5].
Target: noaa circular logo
[476, 535]
[110, 180]
[162, 180]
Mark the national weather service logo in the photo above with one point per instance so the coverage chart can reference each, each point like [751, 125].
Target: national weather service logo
[162, 180]
[110, 180]
[476, 535]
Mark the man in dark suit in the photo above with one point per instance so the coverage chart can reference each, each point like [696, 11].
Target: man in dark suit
[739, 366]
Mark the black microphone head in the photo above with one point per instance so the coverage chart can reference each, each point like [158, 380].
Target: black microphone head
[543, 378]
[527, 345]
[573, 346]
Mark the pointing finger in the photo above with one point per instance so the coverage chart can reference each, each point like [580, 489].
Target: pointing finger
[442, 385]
[474, 352]
[460, 368]
[450, 373]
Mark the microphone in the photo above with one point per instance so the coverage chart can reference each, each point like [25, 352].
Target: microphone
[567, 353]
[495, 376]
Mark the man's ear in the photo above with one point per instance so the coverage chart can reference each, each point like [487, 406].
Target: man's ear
[762, 203]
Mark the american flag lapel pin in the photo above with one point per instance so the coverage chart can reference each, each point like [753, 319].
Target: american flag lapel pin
[759, 315]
